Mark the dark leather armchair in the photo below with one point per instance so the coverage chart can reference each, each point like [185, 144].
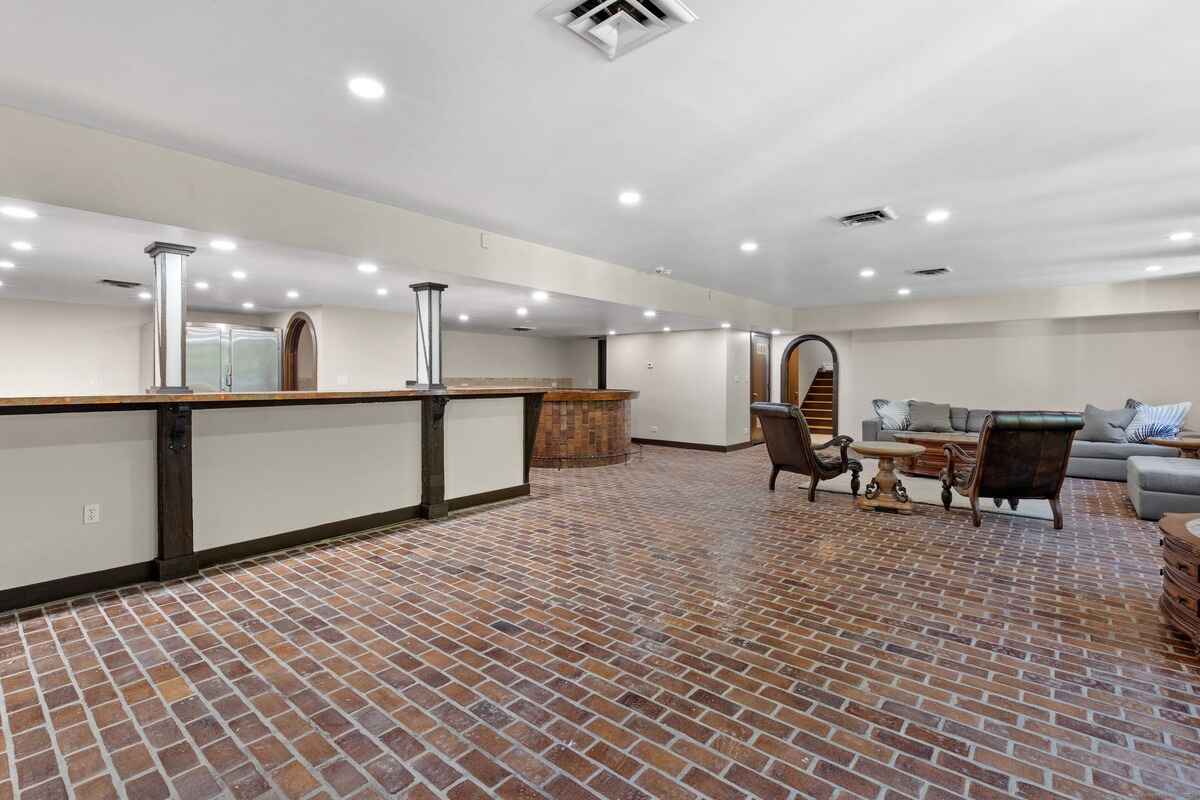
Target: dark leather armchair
[1022, 455]
[790, 445]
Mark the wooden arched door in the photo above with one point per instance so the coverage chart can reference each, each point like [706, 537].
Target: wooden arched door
[300, 355]
[791, 392]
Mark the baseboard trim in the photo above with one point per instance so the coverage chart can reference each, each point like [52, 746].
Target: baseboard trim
[494, 496]
[284, 541]
[711, 448]
[74, 585]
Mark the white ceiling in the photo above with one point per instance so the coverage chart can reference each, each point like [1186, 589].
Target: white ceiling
[74, 250]
[1064, 135]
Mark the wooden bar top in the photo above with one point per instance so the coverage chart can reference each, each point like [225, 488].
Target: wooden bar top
[135, 402]
[570, 395]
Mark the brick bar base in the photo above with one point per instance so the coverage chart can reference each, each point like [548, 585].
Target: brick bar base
[583, 433]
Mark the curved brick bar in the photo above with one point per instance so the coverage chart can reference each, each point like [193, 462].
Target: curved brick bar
[584, 428]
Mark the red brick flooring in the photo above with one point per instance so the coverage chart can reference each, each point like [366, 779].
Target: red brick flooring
[665, 629]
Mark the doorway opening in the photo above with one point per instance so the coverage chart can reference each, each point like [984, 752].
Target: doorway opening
[760, 378]
[809, 378]
[300, 355]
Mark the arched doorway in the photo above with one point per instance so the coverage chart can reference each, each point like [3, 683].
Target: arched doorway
[300, 355]
[816, 372]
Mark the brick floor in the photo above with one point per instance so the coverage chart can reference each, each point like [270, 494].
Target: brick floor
[665, 629]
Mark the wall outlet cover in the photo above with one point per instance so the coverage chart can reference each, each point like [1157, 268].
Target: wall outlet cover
[91, 514]
[649, 365]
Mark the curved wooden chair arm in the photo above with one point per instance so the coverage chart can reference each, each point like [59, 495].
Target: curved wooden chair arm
[956, 456]
[842, 442]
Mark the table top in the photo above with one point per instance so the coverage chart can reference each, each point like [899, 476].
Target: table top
[1183, 444]
[887, 449]
[931, 436]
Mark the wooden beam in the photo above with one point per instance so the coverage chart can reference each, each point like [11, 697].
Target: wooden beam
[433, 457]
[176, 552]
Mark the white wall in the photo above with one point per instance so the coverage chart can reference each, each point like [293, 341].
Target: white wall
[55, 464]
[1041, 364]
[74, 348]
[485, 445]
[690, 394]
[262, 471]
[584, 359]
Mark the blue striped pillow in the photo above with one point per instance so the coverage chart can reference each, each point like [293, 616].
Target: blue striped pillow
[1157, 422]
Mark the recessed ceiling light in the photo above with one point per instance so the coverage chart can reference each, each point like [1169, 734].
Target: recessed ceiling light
[18, 212]
[366, 87]
[144, 296]
[522, 311]
[7, 265]
[201, 286]
[629, 197]
[612, 333]
[776, 332]
[292, 294]
[367, 268]
[726, 325]
[24, 247]
[666, 330]
[540, 296]
[866, 273]
[905, 292]
[1181, 236]
[238, 275]
[247, 305]
[463, 318]
[382, 292]
[937, 216]
[224, 245]
[1154, 268]
[749, 247]
[649, 313]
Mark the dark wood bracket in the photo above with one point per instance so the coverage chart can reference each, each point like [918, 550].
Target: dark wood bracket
[433, 457]
[176, 551]
[533, 415]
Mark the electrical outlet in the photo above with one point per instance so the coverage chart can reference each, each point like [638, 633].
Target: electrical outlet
[654, 429]
[91, 514]
[649, 365]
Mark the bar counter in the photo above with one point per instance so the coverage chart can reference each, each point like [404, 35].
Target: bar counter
[185, 481]
[584, 428]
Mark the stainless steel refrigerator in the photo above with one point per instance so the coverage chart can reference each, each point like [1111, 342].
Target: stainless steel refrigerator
[233, 358]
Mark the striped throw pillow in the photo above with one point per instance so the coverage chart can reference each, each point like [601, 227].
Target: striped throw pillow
[893, 414]
[1157, 422]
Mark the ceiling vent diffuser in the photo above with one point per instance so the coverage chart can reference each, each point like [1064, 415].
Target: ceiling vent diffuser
[116, 284]
[872, 216]
[930, 272]
[524, 329]
[615, 27]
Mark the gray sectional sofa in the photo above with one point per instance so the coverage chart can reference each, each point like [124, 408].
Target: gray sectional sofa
[1099, 460]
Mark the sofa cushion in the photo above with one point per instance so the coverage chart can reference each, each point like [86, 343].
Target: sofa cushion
[1173, 475]
[1105, 426]
[893, 414]
[958, 418]
[929, 417]
[1162, 422]
[975, 419]
[1119, 450]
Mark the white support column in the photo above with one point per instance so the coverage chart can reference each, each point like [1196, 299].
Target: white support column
[429, 335]
[170, 317]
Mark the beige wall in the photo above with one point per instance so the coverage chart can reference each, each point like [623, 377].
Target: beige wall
[690, 394]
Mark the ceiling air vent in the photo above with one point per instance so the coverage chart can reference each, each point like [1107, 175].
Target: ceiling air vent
[930, 272]
[872, 216]
[523, 329]
[116, 284]
[615, 27]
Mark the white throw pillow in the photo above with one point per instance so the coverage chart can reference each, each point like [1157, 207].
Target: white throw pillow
[893, 414]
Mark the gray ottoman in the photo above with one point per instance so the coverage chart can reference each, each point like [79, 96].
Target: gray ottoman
[1159, 486]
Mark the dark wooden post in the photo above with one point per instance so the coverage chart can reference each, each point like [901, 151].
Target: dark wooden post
[433, 457]
[176, 551]
[533, 415]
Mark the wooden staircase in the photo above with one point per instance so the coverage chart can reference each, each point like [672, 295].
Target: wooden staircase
[818, 404]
